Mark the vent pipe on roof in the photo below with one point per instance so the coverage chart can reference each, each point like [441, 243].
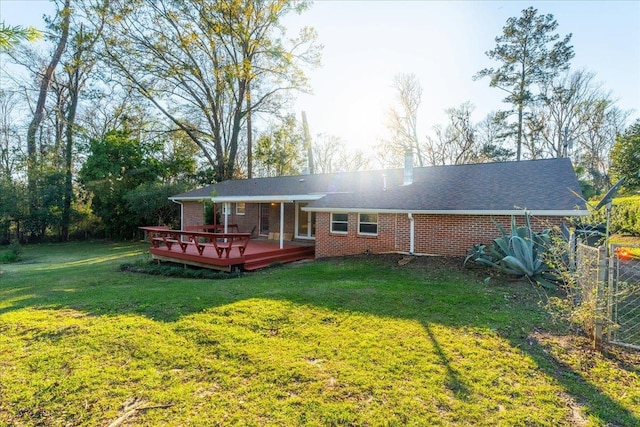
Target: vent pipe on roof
[408, 167]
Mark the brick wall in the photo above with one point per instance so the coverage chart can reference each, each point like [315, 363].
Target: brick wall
[192, 213]
[449, 235]
[247, 223]
[332, 244]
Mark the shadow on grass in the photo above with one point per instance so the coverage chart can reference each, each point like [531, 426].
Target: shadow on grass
[87, 278]
[597, 403]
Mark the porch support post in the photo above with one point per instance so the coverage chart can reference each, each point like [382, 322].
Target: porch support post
[281, 225]
[412, 234]
[226, 209]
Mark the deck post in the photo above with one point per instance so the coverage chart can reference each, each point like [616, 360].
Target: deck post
[226, 209]
[281, 225]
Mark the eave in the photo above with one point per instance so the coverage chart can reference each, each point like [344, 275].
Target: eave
[287, 198]
[561, 213]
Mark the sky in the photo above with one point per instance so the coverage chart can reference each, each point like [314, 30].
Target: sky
[367, 43]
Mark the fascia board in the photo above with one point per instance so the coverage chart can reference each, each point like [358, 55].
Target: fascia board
[251, 199]
[562, 213]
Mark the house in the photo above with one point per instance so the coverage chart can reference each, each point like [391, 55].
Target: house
[439, 210]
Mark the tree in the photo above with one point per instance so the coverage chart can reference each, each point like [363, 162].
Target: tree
[280, 151]
[625, 157]
[456, 143]
[331, 154]
[576, 118]
[45, 82]
[11, 35]
[196, 60]
[117, 165]
[529, 52]
[77, 71]
[402, 121]
[490, 134]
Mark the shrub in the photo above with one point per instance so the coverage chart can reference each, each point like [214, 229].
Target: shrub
[625, 215]
[13, 254]
[519, 253]
[175, 270]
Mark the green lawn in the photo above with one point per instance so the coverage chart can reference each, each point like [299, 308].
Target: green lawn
[358, 341]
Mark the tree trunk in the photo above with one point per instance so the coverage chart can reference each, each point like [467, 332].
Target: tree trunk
[68, 156]
[39, 110]
[249, 136]
[519, 137]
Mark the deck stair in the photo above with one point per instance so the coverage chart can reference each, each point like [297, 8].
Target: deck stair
[289, 254]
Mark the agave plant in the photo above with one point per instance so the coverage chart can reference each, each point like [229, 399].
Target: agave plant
[518, 253]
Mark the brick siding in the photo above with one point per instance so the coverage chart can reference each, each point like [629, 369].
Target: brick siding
[192, 213]
[448, 235]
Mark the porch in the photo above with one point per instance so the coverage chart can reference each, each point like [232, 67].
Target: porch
[223, 251]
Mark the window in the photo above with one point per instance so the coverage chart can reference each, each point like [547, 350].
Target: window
[240, 208]
[368, 224]
[339, 222]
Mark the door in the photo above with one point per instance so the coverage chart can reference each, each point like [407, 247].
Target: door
[305, 222]
[264, 218]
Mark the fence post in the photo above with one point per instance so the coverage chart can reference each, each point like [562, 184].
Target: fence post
[600, 292]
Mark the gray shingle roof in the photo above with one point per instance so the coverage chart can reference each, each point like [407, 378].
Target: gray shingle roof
[536, 185]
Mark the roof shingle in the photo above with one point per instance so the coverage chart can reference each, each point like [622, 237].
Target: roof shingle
[536, 185]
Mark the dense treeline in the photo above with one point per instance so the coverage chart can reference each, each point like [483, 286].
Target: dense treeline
[131, 101]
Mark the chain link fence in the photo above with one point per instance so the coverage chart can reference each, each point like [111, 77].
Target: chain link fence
[624, 283]
[608, 293]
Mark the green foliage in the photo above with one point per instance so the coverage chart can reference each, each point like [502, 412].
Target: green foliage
[625, 158]
[13, 254]
[10, 36]
[519, 253]
[13, 208]
[625, 215]
[174, 270]
[116, 165]
[279, 153]
[149, 203]
[130, 186]
[529, 52]
[213, 62]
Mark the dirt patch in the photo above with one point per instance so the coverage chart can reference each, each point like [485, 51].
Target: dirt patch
[418, 262]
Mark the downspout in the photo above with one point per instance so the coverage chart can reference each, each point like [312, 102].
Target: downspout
[281, 225]
[412, 233]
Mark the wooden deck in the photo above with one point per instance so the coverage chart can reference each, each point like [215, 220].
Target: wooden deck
[258, 253]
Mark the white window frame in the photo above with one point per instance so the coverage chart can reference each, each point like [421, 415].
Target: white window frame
[360, 222]
[244, 207]
[339, 222]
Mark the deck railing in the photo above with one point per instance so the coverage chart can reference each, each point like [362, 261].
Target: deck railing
[213, 228]
[222, 243]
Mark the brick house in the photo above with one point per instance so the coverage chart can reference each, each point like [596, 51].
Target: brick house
[439, 210]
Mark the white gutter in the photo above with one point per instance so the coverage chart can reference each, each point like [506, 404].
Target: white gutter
[451, 212]
[254, 199]
[411, 233]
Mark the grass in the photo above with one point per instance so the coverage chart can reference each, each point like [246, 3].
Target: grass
[359, 341]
